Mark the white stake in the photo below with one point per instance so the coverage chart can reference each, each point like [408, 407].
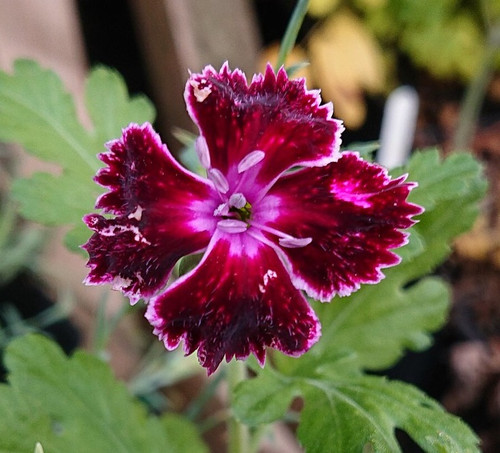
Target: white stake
[398, 127]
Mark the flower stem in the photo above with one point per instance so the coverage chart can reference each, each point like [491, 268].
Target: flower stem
[239, 434]
[475, 93]
[292, 31]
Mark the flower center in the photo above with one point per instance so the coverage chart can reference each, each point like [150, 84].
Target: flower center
[242, 209]
[235, 211]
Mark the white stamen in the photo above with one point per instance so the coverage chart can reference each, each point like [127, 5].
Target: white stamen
[222, 209]
[219, 180]
[237, 200]
[285, 240]
[294, 243]
[250, 160]
[232, 226]
[201, 148]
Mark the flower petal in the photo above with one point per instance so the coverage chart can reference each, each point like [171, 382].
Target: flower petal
[162, 213]
[237, 301]
[273, 115]
[353, 212]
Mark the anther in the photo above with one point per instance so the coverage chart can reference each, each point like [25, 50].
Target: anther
[237, 200]
[250, 160]
[222, 209]
[219, 180]
[294, 243]
[232, 226]
[201, 148]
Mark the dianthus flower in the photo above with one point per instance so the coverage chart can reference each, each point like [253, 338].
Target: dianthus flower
[281, 211]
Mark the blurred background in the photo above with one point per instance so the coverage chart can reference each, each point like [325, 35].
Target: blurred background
[357, 52]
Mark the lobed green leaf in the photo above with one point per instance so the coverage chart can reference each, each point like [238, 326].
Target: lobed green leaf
[77, 405]
[37, 113]
[355, 414]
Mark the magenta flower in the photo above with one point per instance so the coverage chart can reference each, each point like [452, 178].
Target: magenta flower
[281, 210]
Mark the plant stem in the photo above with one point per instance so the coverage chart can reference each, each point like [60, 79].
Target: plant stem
[239, 434]
[195, 408]
[476, 91]
[292, 31]
[105, 327]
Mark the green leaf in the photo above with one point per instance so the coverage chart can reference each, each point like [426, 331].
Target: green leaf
[354, 414]
[446, 188]
[183, 437]
[109, 105]
[365, 149]
[37, 113]
[264, 399]
[380, 322]
[51, 193]
[76, 405]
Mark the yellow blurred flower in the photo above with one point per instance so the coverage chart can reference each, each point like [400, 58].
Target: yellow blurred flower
[346, 62]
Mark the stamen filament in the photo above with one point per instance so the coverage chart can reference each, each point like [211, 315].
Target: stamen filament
[271, 230]
[285, 240]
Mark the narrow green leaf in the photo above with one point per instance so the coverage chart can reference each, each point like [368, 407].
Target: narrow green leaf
[76, 405]
[365, 149]
[292, 31]
[18, 245]
[293, 69]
